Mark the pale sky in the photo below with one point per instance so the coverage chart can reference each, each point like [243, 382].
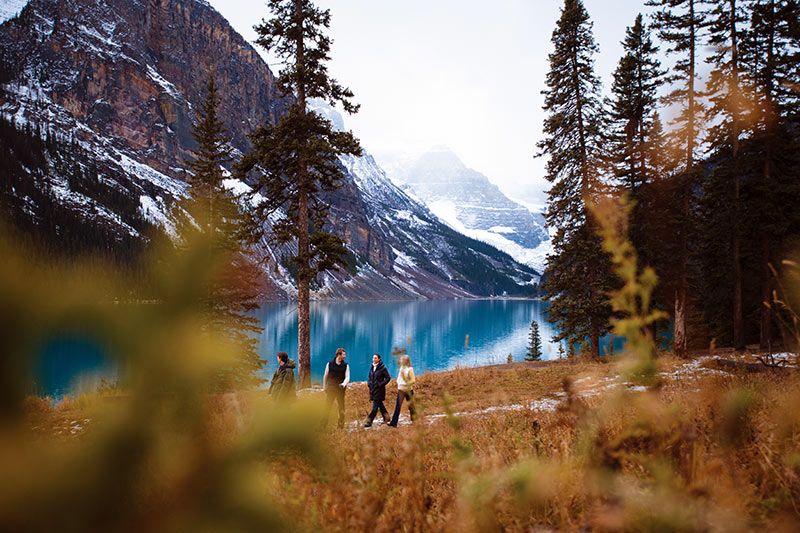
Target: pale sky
[460, 73]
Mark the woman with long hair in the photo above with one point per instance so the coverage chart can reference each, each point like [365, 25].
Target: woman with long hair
[405, 389]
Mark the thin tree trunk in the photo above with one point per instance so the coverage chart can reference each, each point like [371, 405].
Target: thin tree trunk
[738, 311]
[303, 299]
[765, 337]
[681, 292]
[585, 182]
[766, 294]
[303, 241]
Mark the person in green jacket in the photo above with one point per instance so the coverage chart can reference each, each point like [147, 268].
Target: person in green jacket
[282, 386]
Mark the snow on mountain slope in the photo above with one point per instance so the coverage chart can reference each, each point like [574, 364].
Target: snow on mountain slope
[469, 203]
[497, 236]
[117, 82]
[10, 8]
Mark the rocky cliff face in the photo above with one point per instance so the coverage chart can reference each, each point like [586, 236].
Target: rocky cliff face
[130, 71]
[118, 81]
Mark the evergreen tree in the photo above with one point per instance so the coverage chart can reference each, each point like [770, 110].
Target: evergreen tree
[534, 344]
[770, 59]
[216, 221]
[728, 112]
[679, 23]
[631, 125]
[578, 272]
[296, 159]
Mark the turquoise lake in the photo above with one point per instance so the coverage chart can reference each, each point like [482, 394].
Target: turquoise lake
[438, 335]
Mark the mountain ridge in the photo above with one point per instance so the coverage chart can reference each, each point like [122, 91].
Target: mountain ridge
[119, 79]
[471, 204]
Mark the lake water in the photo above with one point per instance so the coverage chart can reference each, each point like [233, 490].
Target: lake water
[438, 335]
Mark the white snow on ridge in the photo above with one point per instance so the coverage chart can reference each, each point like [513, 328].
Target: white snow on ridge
[155, 212]
[447, 212]
[146, 172]
[164, 84]
[11, 8]
[501, 229]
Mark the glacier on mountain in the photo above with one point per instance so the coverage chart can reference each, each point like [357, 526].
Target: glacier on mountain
[469, 203]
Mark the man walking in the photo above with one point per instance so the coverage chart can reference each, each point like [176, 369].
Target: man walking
[335, 380]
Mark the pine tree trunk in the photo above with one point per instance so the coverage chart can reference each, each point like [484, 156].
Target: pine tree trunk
[595, 341]
[738, 311]
[303, 241]
[303, 300]
[766, 293]
[765, 337]
[681, 292]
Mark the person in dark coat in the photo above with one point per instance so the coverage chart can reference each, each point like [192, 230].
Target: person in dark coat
[335, 380]
[282, 385]
[378, 379]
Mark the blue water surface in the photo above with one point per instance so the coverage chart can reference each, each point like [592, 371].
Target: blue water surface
[437, 335]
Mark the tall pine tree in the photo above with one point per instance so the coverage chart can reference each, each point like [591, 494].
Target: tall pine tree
[578, 273]
[679, 24]
[297, 159]
[770, 59]
[632, 112]
[728, 112]
[217, 221]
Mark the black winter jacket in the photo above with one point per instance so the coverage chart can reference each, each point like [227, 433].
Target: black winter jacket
[378, 379]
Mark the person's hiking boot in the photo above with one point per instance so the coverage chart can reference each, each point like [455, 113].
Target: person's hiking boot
[386, 419]
[368, 423]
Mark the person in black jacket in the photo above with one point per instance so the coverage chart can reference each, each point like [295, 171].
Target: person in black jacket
[378, 379]
[334, 381]
[282, 385]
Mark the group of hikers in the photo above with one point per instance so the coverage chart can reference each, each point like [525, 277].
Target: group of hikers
[336, 379]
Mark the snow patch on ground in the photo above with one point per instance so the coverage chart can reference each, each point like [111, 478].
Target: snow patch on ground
[501, 229]
[140, 170]
[586, 387]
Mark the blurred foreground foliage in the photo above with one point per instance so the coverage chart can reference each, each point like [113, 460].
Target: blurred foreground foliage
[164, 451]
[647, 451]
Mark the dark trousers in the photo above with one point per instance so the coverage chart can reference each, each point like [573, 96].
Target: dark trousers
[335, 392]
[377, 405]
[403, 395]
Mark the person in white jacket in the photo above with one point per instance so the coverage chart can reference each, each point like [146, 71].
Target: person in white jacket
[405, 389]
[335, 380]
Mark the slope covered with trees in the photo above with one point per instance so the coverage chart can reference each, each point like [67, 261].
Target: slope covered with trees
[715, 190]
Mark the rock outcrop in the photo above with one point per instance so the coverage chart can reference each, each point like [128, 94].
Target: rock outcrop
[118, 81]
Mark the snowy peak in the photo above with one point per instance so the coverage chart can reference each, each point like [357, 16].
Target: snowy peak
[325, 110]
[467, 201]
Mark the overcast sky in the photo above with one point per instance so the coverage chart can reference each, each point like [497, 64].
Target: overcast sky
[465, 74]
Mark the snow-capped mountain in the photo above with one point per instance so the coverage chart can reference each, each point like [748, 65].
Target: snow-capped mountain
[469, 203]
[97, 99]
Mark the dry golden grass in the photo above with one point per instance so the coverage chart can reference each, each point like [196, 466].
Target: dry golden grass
[705, 451]
[687, 457]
